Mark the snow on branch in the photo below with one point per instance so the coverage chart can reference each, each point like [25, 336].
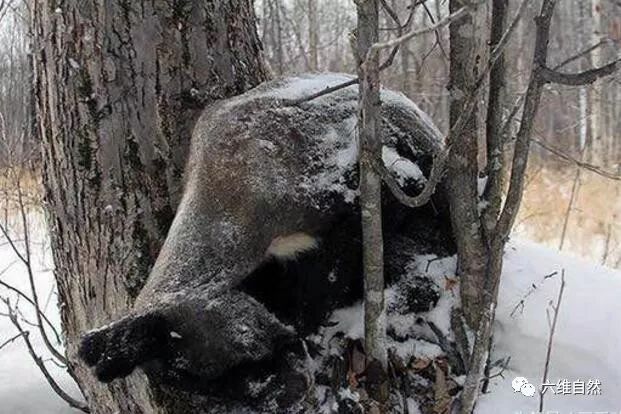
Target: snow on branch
[435, 177]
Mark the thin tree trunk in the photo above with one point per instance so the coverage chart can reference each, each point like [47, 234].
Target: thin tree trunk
[600, 148]
[462, 165]
[370, 182]
[313, 35]
[118, 88]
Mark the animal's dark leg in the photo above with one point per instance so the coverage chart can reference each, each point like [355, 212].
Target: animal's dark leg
[117, 349]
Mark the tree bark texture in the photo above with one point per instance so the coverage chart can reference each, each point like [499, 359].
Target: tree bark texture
[369, 125]
[313, 35]
[119, 85]
[462, 164]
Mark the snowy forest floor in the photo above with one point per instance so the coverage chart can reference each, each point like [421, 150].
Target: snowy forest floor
[585, 348]
[587, 337]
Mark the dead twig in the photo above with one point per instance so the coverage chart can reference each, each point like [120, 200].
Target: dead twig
[551, 338]
[8, 341]
[41, 365]
[520, 305]
[30, 301]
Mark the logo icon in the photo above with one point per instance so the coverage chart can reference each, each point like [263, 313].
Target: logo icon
[521, 384]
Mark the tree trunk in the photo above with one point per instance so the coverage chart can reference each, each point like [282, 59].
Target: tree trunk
[462, 164]
[313, 35]
[600, 151]
[370, 182]
[119, 86]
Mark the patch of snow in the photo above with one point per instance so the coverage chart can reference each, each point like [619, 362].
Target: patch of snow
[413, 406]
[403, 168]
[301, 86]
[587, 339]
[347, 394]
[23, 389]
[398, 98]
[481, 183]
[349, 320]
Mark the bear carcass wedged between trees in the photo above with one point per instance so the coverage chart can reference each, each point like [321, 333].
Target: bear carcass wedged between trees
[266, 240]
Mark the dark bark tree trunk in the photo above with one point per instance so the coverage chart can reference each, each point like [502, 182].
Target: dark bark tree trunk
[119, 85]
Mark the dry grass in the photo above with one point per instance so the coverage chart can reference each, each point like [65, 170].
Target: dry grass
[593, 229]
[18, 187]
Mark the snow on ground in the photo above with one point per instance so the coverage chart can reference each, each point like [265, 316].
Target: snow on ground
[23, 389]
[586, 347]
[587, 341]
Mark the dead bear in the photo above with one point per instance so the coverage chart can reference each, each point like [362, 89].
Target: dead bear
[266, 241]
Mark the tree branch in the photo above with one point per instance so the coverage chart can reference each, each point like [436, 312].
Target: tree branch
[435, 177]
[494, 56]
[33, 288]
[584, 165]
[8, 341]
[531, 105]
[578, 79]
[41, 365]
[413, 33]
[556, 308]
[27, 299]
[580, 54]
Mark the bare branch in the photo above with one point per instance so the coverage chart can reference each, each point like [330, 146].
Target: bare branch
[409, 20]
[531, 105]
[437, 31]
[8, 341]
[584, 165]
[326, 91]
[27, 299]
[435, 177]
[26, 260]
[33, 288]
[556, 308]
[41, 365]
[578, 79]
[396, 41]
[580, 54]
[386, 64]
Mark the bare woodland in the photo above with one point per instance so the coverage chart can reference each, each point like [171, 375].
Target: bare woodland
[98, 101]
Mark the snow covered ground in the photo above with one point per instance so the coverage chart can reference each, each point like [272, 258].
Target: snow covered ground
[23, 389]
[587, 342]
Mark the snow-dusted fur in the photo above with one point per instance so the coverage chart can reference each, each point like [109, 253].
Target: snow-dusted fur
[266, 179]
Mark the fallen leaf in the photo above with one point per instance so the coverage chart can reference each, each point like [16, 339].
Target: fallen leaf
[421, 364]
